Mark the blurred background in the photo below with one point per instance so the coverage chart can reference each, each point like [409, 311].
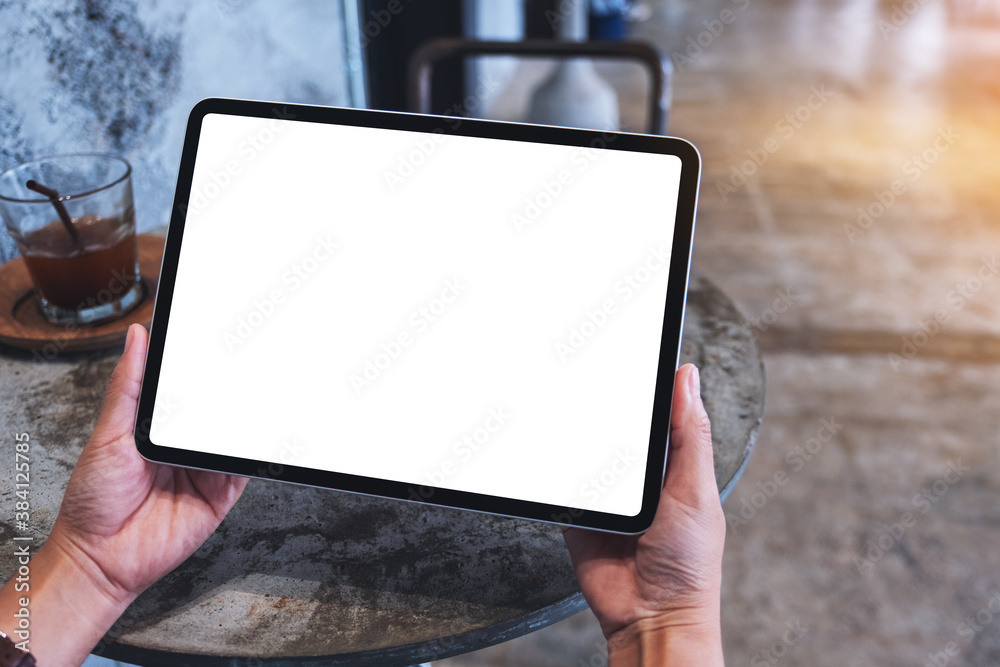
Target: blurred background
[849, 207]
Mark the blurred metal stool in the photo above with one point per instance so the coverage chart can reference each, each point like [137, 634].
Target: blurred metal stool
[660, 69]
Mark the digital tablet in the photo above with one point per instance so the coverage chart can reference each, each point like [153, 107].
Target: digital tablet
[466, 313]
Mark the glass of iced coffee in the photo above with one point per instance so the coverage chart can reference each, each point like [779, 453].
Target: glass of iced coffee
[73, 220]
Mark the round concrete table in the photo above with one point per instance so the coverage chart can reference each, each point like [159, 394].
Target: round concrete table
[301, 576]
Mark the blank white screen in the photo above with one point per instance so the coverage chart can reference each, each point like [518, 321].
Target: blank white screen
[402, 305]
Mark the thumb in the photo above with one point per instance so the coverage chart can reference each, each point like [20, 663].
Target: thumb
[118, 411]
[690, 463]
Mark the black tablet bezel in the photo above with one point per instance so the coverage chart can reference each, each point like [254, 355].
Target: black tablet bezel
[669, 344]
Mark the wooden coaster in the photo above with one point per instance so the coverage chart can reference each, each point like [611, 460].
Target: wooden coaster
[22, 324]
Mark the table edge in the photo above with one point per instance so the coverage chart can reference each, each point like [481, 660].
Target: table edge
[392, 656]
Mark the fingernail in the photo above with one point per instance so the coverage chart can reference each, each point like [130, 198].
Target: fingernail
[128, 338]
[694, 382]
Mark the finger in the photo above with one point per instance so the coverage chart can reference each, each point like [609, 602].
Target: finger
[118, 411]
[690, 464]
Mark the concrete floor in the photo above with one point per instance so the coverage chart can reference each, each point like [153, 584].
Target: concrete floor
[885, 541]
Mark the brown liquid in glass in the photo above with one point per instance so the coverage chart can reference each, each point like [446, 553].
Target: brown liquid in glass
[71, 278]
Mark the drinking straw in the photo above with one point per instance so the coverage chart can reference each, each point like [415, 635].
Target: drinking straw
[60, 208]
